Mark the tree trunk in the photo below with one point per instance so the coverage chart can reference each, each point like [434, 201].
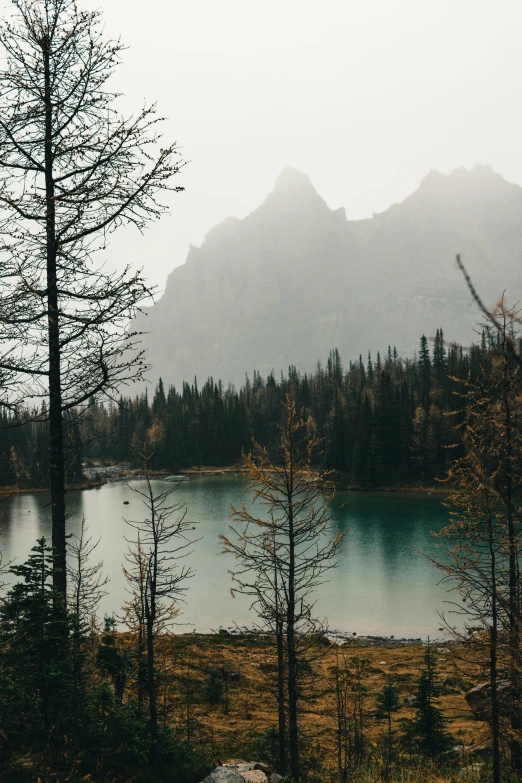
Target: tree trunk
[341, 738]
[493, 644]
[153, 712]
[495, 729]
[56, 451]
[293, 737]
[514, 634]
[226, 693]
[280, 646]
[429, 723]
[188, 702]
[141, 668]
[358, 715]
[281, 696]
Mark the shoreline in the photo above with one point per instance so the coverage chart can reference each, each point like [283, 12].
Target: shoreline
[207, 470]
[406, 490]
[226, 472]
[334, 638]
[412, 489]
[82, 485]
[435, 489]
[123, 472]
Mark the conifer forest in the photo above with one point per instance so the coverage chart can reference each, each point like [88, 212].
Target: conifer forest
[383, 422]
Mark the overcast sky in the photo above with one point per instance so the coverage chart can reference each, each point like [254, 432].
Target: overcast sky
[365, 97]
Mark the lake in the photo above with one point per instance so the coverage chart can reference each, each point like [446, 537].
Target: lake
[382, 586]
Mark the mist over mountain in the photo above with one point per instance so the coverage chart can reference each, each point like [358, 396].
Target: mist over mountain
[295, 278]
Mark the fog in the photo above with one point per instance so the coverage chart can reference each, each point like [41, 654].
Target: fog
[366, 98]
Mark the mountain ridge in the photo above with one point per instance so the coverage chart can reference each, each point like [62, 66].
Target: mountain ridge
[294, 278]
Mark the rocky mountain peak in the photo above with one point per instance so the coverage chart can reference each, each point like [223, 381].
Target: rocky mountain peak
[291, 180]
[294, 190]
[474, 184]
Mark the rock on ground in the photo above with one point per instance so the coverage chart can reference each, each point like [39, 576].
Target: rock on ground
[224, 775]
[479, 699]
[254, 776]
[237, 771]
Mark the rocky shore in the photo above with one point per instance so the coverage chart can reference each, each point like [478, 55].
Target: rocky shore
[336, 637]
[123, 472]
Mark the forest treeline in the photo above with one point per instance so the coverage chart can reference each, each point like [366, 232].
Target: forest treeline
[383, 420]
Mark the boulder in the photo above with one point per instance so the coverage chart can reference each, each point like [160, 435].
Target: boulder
[479, 699]
[254, 776]
[224, 775]
[275, 777]
[239, 771]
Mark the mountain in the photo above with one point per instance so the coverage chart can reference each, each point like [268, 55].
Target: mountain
[294, 278]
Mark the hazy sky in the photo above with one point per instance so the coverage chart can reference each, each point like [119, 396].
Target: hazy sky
[365, 97]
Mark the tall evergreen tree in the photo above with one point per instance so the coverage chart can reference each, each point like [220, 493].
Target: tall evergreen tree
[429, 725]
[424, 373]
[388, 703]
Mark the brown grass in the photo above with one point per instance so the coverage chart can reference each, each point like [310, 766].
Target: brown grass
[252, 707]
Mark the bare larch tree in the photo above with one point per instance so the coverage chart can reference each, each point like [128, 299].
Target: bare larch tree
[86, 588]
[504, 485]
[72, 170]
[283, 553]
[156, 579]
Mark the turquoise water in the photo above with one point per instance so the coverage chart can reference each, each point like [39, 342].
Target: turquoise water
[382, 586]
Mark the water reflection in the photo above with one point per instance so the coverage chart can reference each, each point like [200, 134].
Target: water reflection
[381, 586]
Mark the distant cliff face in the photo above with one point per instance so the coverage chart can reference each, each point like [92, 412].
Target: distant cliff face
[295, 279]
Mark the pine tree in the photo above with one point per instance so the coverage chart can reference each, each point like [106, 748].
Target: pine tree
[388, 702]
[362, 373]
[37, 682]
[424, 372]
[429, 725]
[369, 370]
[112, 659]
